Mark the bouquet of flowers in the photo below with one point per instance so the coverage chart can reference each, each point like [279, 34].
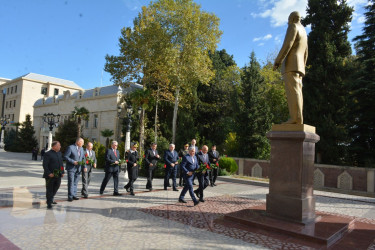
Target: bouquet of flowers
[214, 165]
[203, 168]
[120, 162]
[56, 173]
[179, 160]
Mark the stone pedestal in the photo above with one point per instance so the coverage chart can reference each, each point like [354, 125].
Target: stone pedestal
[292, 173]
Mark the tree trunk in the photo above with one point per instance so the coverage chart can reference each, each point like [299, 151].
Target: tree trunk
[142, 132]
[79, 127]
[174, 120]
[156, 117]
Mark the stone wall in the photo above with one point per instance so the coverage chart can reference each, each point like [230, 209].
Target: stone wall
[325, 176]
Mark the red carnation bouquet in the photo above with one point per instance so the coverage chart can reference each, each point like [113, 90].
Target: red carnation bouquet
[203, 168]
[214, 165]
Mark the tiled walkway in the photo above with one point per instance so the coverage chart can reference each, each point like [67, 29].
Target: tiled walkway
[149, 220]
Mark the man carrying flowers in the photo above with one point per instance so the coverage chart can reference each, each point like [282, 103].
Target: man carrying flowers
[89, 163]
[202, 175]
[214, 159]
[53, 171]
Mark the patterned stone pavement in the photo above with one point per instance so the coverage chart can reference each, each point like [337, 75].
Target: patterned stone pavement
[149, 220]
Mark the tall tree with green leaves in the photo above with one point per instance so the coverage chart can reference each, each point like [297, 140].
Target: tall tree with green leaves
[66, 133]
[362, 126]
[107, 133]
[79, 114]
[26, 135]
[254, 117]
[324, 89]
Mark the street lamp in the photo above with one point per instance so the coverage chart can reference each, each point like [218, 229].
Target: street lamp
[49, 118]
[3, 122]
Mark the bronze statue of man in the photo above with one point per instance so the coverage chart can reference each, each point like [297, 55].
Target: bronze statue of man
[293, 56]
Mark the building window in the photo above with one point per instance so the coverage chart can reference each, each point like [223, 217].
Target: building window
[11, 90]
[87, 124]
[10, 104]
[14, 103]
[95, 121]
[15, 89]
[6, 104]
[80, 95]
[7, 91]
[44, 91]
[12, 117]
[96, 92]
[56, 92]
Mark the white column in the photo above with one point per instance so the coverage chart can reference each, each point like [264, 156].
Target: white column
[370, 180]
[127, 141]
[2, 139]
[49, 140]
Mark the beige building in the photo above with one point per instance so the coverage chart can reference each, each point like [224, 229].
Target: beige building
[102, 103]
[19, 95]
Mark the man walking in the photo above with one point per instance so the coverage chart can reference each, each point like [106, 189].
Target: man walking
[73, 155]
[171, 162]
[151, 161]
[189, 164]
[112, 156]
[132, 167]
[86, 174]
[202, 176]
[213, 156]
[53, 171]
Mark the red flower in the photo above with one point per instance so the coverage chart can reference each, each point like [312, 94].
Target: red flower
[86, 155]
[87, 162]
[208, 167]
[165, 166]
[126, 160]
[144, 156]
[217, 164]
[62, 168]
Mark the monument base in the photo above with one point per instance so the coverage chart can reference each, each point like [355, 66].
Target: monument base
[327, 230]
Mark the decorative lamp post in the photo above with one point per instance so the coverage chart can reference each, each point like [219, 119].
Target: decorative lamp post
[3, 122]
[52, 121]
[129, 112]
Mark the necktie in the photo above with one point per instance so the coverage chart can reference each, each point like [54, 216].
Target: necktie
[115, 152]
[79, 152]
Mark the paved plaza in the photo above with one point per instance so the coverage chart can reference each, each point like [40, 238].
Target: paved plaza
[148, 220]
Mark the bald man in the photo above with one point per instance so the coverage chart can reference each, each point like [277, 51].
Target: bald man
[292, 58]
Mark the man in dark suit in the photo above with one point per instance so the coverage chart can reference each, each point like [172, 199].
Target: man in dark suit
[182, 153]
[132, 167]
[214, 157]
[193, 144]
[189, 164]
[73, 155]
[112, 156]
[151, 161]
[86, 174]
[202, 176]
[53, 171]
[171, 162]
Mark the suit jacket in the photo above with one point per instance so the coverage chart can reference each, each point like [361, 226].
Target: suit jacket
[93, 157]
[71, 155]
[211, 156]
[110, 159]
[187, 164]
[132, 170]
[151, 158]
[52, 160]
[201, 159]
[293, 54]
[170, 157]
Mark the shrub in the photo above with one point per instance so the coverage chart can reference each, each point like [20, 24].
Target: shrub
[100, 154]
[229, 164]
[223, 172]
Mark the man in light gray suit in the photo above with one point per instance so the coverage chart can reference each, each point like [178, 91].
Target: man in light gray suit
[86, 173]
[73, 155]
[293, 57]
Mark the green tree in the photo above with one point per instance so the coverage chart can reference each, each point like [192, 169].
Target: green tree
[254, 117]
[107, 133]
[325, 92]
[362, 112]
[66, 133]
[10, 141]
[80, 113]
[26, 134]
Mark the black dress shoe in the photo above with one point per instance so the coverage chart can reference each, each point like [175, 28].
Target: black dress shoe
[70, 199]
[150, 189]
[54, 203]
[175, 189]
[75, 198]
[165, 188]
[49, 206]
[169, 185]
[196, 203]
[197, 193]
[132, 193]
[214, 184]
[201, 200]
[116, 194]
[182, 201]
[85, 196]
[127, 189]
[100, 192]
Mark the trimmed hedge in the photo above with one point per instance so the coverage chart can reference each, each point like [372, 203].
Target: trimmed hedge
[229, 164]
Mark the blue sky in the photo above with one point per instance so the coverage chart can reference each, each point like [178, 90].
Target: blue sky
[69, 38]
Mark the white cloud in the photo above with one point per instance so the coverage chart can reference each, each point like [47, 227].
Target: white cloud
[132, 5]
[262, 38]
[279, 10]
[261, 44]
[361, 19]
